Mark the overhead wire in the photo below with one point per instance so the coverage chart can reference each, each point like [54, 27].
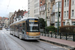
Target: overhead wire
[8, 5]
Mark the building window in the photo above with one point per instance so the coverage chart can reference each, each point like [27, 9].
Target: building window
[72, 2]
[19, 17]
[36, 5]
[56, 14]
[63, 23]
[67, 2]
[64, 13]
[73, 23]
[67, 13]
[42, 8]
[36, 0]
[36, 11]
[59, 14]
[56, 5]
[72, 13]
[56, 24]
[59, 4]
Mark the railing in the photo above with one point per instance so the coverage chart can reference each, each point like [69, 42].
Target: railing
[65, 36]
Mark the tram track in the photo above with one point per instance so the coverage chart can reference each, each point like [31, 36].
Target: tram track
[32, 45]
[6, 48]
[16, 42]
[38, 46]
[27, 42]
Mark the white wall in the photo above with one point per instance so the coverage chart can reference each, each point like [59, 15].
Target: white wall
[57, 0]
[31, 9]
[36, 8]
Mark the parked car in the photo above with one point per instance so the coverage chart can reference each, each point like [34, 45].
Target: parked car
[0, 28]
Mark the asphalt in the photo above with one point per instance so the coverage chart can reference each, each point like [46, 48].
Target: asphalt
[10, 42]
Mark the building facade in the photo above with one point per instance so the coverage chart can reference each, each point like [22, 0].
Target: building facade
[47, 11]
[10, 14]
[18, 15]
[66, 11]
[4, 21]
[36, 8]
[56, 12]
[43, 9]
[33, 8]
[52, 12]
[25, 14]
[30, 8]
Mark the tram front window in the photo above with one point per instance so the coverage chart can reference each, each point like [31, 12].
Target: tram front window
[33, 27]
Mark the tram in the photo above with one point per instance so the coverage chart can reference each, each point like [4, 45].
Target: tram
[27, 28]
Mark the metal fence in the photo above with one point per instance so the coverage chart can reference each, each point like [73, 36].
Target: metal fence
[65, 36]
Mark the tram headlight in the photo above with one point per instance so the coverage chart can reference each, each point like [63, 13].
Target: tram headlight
[39, 33]
[26, 32]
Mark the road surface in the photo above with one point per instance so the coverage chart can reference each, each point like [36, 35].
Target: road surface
[9, 42]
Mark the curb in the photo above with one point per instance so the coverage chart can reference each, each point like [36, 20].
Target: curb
[69, 47]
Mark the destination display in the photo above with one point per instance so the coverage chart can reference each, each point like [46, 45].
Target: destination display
[33, 20]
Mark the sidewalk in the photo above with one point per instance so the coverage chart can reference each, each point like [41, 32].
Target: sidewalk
[59, 41]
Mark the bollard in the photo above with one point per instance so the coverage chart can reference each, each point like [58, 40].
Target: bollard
[45, 33]
[55, 35]
[66, 36]
[48, 34]
[42, 34]
[73, 37]
[60, 35]
[51, 34]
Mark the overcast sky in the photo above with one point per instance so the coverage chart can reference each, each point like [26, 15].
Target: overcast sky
[7, 6]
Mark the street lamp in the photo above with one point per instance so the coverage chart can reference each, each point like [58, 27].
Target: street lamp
[58, 20]
[45, 13]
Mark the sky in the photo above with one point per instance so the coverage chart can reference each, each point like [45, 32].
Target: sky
[7, 6]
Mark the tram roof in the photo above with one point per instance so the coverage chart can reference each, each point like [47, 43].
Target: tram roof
[24, 19]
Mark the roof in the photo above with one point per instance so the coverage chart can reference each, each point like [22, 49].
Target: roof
[24, 19]
[0, 17]
[6, 18]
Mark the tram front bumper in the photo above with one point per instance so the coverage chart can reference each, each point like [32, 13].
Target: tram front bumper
[33, 37]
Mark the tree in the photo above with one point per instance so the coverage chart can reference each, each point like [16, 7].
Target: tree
[42, 23]
[50, 28]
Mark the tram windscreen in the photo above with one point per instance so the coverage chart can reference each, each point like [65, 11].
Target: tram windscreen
[33, 26]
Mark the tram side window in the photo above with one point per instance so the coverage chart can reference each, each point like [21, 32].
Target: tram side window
[20, 27]
[23, 26]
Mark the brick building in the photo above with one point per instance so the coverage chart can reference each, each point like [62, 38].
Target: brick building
[66, 11]
[17, 15]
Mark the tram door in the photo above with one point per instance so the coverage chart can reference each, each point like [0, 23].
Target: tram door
[24, 29]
